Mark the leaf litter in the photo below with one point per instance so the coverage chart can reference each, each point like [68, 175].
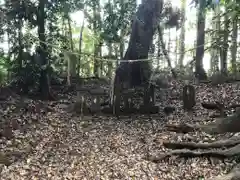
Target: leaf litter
[46, 142]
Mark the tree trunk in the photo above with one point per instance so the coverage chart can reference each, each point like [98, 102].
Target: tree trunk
[143, 28]
[122, 32]
[44, 80]
[159, 51]
[101, 62]
[9, 56]
[72, 58]
[116, 54]
[70, 32]
[110, 54]
[176, 48]
[182, 35]
[169, 47]
[121, 45]
[201, 17]
[80, 48]
[20, 38]
[234, 43]
[215, 39]
[165, 52]
[224, 48]
[96, 29]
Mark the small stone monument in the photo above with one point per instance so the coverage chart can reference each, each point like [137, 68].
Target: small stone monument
[188, 96]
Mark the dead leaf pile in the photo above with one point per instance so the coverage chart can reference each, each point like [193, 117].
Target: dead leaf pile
[49, 143]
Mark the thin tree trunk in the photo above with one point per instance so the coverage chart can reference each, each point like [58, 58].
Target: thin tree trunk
[20, 38]
[101, 62]
[182, 35]
[70, 32]
[80, 48]
[9, 56]
[72, 57]
[110, 54]
[215, 39]
[44, 80]
[97, 45]
[165, 53]
[159, 51]
[234, 43]
[224, 48]
[176, 49]
[168, 46]
[122, 32]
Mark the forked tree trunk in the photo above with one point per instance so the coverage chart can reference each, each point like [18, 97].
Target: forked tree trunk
[143, 28]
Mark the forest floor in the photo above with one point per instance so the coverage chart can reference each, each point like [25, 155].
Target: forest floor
[49, 143]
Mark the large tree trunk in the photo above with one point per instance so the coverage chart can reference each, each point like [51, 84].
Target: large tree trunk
[44, 80]
[143, 28]
[200, 38]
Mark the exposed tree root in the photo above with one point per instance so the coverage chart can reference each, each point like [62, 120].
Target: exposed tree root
[182, 128]
[223, 125]
[233, 175]
[191, 145]
[231, 152]
[185, 149]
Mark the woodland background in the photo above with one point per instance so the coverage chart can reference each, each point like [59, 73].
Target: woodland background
[44, 53]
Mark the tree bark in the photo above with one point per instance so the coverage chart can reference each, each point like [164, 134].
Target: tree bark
[143, 28]
[80, 49]
[159, 51]
[165, 52]
[182, 35]
[96, 29]
[72, 58]
[110, 54]
[215, 39]
[44, 79]
[201, 17]
[224, 47]
[234, 43]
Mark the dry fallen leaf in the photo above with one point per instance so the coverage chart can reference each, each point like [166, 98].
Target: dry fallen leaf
[49, 143]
